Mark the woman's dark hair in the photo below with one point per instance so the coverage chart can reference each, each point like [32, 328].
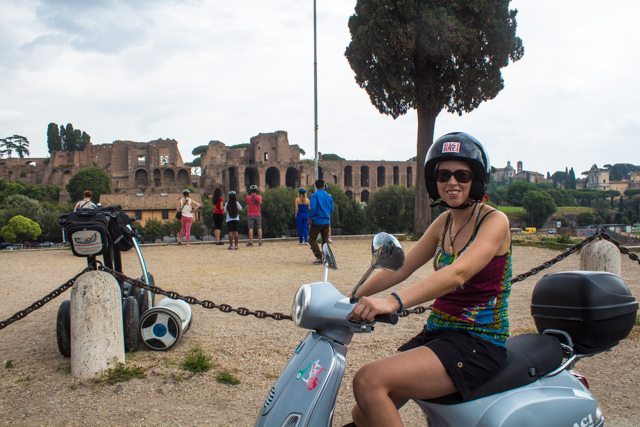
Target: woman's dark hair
[232, 205]
[217, 193]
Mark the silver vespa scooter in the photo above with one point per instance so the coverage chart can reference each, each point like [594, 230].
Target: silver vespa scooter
[536, 387]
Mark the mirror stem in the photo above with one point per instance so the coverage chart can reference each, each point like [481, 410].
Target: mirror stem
[354, 298]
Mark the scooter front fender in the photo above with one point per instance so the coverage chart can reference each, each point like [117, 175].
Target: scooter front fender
[304, 395]
[557, 401]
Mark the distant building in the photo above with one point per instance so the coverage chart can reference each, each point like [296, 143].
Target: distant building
[143, 207]
[597, 179]
[504, 175]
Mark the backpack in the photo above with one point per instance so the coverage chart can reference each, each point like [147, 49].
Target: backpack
[120, 231]
[87, 231]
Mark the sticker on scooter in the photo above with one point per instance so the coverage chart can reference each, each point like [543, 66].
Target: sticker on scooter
[312, 379]
[585, 422]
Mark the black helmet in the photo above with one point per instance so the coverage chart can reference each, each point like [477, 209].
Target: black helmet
[458, 146]
[253, 188]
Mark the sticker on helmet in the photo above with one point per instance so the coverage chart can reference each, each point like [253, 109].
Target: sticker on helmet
[451, 147]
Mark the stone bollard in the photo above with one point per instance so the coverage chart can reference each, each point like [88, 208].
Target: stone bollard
[600, 255]
[97, 340]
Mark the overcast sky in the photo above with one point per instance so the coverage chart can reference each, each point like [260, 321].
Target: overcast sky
[225, 70]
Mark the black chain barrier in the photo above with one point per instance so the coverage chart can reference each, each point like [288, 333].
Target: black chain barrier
[36, 305]
[225, 308]
[261, 314]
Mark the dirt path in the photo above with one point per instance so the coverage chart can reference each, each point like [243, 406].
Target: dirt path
[39, 390]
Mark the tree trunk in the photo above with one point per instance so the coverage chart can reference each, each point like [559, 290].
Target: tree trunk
[426, 124]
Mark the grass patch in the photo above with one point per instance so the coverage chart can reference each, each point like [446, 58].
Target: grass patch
[638, 320]
[225, 377]
[8, 364]
[517, 210]
[121, 373]
[196, 361]
[64, 367]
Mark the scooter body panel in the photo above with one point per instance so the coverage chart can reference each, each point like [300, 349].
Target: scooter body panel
[305, 393]
[560, 400]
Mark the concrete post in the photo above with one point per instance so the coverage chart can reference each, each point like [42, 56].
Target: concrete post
[600, 255]
[97, 341]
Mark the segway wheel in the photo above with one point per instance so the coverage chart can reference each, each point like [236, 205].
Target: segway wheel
[131, 323]
[160, 328]
[63, 328]
[143, 301]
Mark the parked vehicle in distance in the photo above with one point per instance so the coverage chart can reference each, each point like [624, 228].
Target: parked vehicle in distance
[530, 230]
[46, 244]
[15, 247]
[552, 231]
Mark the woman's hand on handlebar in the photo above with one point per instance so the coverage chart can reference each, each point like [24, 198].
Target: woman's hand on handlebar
[367, 308]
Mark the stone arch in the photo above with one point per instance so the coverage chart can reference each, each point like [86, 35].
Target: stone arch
[364, 176]
[233, 178]
[381, 173]
[66, 177]
[349, 194]
[348, 176]
[396, 175]
[56, 179]
[251, 177]
[364, 196]
[183, 177]
[272, 178]
[157, 178]
[169, 176]
[292, 178]
[409, 176]
[141, 178]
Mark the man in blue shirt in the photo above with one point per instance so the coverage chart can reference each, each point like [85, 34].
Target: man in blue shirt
[319, 218]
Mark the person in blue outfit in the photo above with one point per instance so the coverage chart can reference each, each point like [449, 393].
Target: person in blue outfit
[319, 218]
[301, 213]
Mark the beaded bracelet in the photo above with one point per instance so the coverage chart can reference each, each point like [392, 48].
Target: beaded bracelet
[397, 297]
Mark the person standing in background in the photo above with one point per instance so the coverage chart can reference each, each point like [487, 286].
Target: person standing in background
[85, 203]
[218, 215]
[187, 206]
[254, 214]
[321, 208]
[301, 212]
[232, 208]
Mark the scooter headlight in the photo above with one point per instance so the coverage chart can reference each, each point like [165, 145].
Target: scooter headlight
[300, 303]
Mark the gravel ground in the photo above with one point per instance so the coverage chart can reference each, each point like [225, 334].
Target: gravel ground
[39, 390]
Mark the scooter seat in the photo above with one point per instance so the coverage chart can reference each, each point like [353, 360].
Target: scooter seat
[529, 357]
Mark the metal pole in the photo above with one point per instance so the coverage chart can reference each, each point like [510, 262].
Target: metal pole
[315, 95]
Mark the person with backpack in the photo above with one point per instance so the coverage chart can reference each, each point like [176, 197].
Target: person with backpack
[320, 210]
[233, 208]
[254, 214]
[186, 208]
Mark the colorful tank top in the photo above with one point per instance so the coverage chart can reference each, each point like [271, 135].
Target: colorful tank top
[480, 305]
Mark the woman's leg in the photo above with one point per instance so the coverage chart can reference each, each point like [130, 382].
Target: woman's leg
[305, 229]
[182, 229]
[382, 386]
[216, 233]
[299, 223]
[188, 223]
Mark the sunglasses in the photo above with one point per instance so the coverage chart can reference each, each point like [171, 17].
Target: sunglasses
[461, 175]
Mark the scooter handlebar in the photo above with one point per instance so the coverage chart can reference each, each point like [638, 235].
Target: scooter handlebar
[391, 318]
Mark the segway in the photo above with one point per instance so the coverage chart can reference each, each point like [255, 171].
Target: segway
[106, 232]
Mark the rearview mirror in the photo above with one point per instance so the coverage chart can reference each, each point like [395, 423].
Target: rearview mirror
[327, 257]
[386, 252]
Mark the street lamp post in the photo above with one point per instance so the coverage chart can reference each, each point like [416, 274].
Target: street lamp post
[315, 95]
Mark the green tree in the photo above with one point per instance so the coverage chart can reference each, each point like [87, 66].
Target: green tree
[516, 191]
[277, 211]
[94, 179]
[152, 230]
[16, 143]
[199, 150]
[20, 205]
[331, 156]
[391, 210]
[585, 218]
[539, 206]
[431, 56]
[20, 229]
[53, 138]
[84, 140]
[69, 142]
[571, 180]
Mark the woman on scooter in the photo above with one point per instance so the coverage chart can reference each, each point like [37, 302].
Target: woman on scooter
[463, 342]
